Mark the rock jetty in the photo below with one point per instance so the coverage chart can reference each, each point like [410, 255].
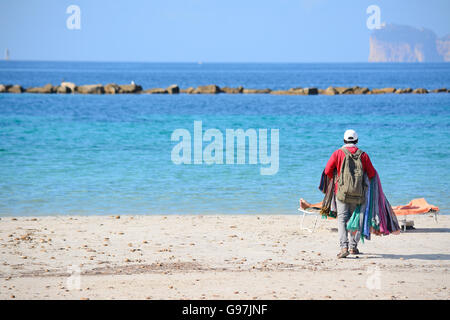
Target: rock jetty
[113, 88]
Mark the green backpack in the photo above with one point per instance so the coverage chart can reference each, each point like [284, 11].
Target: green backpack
[351, 178]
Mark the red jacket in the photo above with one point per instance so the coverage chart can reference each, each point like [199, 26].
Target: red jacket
[336, 161]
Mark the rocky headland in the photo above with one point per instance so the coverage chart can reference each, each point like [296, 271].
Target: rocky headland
[397, 43]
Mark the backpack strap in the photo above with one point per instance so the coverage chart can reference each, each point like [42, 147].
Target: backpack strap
[358, 152]
[346, 152]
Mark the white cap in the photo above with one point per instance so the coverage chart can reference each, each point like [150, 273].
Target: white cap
[350, 135]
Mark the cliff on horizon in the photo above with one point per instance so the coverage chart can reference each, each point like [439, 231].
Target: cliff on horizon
[394, 43]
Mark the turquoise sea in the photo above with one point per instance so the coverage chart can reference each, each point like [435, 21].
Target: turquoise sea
[111, 154]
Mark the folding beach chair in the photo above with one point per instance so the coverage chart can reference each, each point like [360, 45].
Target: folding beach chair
[311, 212]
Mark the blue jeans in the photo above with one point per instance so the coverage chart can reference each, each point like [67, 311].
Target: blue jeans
[344, 213]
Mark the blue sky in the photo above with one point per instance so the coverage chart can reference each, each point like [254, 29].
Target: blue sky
[205, 30]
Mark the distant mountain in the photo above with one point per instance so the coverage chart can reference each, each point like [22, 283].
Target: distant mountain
[443, 48]
[394, 43]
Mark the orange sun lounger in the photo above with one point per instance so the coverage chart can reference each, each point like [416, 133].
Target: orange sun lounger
[415, 206]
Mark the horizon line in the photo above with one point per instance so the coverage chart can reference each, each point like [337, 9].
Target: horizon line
[221, 62]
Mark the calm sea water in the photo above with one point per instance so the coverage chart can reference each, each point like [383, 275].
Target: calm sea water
[89, 154]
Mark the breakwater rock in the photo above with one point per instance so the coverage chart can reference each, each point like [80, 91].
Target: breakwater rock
[112, 88]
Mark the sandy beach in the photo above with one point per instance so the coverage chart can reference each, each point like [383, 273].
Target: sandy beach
[215, 257]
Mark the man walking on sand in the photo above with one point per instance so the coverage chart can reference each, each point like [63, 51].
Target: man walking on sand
[350, 163]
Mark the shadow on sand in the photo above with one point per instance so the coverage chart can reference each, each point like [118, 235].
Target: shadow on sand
[423, 256]
[429, 230]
